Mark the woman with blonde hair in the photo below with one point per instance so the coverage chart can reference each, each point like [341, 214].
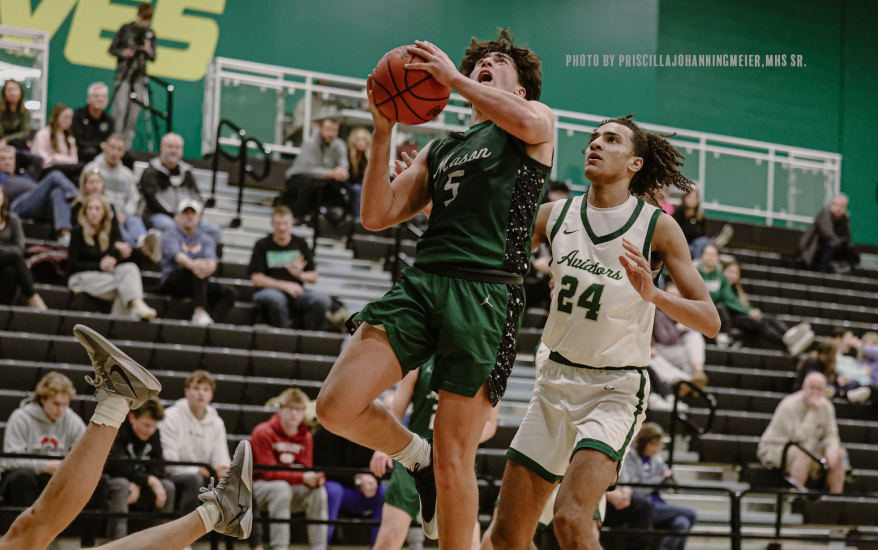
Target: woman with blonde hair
[359, 146]
[96, 263]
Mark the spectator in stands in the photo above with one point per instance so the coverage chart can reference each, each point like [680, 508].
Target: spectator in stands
[56, 145]
[193, 431]
[644, 465]
[359, 146]
[120, 186]
[50, 200]
[14, 117]
[359, 494]
[870, 355]
[558, 191]
[823, 361]
[322, 160]
[188, 259]
[44, 425]
[852, 373]
[92, 125]
[284, 440]
[826, 245]
[280, 266]
[100, 263]
[735, 315]
[133, 45]
[627, 509]
[133, 486]
[796, 339]
[665, 201]
[806, 417]
[165, 183]
[679, 345]
[14, 273]
[149, 247]
[14, 184]
[690, 217]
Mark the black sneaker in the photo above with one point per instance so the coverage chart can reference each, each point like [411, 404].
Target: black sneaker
[425, 482]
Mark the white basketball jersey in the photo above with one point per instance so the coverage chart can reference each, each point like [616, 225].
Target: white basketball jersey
[597, 319]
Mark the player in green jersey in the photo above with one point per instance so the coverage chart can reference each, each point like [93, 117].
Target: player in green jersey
[401, 499]
[461, 302]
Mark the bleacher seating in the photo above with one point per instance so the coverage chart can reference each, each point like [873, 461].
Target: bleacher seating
[253, 364]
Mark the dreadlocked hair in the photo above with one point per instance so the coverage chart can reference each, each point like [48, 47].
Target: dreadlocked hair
[526, 62]
[660, 162]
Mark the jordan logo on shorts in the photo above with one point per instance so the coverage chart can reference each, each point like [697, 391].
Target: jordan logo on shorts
[486, 302]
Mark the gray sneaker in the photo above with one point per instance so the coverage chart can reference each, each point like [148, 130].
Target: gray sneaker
[234, 495]
[115, 372]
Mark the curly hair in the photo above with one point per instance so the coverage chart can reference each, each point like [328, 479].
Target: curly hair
[660, 162]
[525, 61]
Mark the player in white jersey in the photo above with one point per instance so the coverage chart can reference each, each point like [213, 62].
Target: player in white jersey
[591, 396]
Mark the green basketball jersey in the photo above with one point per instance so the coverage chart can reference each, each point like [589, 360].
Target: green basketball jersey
[424, 402]
[486, 191]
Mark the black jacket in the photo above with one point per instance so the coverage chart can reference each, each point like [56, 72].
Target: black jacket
[89, 133]
[82, 256]
[132, 37]
[332, 450]
[160, 196]
[128, 445]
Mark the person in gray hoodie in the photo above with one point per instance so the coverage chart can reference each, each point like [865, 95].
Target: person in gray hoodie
[166, 183]
[44, 425]
[120, 187]
[193, 431]
[644, 465]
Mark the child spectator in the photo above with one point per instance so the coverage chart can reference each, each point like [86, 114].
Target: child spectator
[193, 431]
[141, 487]
[644, 465]
[285, 440]
[55, 143]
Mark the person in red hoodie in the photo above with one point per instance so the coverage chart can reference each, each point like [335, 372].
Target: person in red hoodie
[284, 440]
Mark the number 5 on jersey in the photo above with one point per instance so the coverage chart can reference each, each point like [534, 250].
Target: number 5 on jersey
[451, 185]
[589, 300]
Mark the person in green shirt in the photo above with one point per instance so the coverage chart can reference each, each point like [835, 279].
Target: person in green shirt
[14, 118]
[749, 320]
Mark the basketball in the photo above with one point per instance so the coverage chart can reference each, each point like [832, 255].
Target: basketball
[408, 96]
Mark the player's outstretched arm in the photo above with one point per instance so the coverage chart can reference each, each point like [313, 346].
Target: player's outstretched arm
[384, 203]
[530, 121]
[541, 235]
[693, 308]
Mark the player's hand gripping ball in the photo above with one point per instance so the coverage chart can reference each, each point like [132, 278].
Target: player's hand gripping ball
[407, 96]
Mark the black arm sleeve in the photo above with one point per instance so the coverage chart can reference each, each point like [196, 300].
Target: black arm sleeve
[149, 186]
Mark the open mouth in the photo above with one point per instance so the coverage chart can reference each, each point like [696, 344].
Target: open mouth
[594, 156]
[485, 76]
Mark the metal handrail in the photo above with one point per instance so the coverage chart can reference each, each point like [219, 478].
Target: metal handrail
[244, 168]
[682, 417]
[167, 116]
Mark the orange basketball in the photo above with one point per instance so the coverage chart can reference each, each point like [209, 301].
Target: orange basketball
[408, 96]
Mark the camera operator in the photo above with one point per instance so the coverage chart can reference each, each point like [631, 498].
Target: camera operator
[134, 45]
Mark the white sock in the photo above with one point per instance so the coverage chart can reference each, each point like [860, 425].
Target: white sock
[111, 411]
[210, 514]
[416, 454]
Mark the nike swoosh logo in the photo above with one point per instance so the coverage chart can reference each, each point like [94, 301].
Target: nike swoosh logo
[117, 369]
[570, 232]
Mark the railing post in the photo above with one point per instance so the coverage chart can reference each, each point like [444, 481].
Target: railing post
[211, 202]
[170, 114]
[672, 428]
[242, 173]
[736, 520]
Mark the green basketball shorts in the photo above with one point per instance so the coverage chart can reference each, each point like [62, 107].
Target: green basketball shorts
[469, 328]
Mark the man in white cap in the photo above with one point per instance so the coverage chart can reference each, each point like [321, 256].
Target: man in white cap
[188, 259]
